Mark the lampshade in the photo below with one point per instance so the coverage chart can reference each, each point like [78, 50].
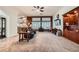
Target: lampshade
[20, 21]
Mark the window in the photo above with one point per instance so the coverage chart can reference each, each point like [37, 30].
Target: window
[43, 22]
[46, 23]
[35, 23]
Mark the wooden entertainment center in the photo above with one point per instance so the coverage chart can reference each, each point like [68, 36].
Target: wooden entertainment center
[71, 25]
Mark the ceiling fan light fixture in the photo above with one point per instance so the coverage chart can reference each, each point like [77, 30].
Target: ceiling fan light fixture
[39, 8]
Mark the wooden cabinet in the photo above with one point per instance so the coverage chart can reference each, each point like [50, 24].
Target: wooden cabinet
[71, 35]
[71, 25]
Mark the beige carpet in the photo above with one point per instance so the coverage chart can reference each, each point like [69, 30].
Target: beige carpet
[42, 42]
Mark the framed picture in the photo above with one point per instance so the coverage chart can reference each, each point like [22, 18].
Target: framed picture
[57, 21]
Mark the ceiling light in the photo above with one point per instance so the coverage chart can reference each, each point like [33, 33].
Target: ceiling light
[75, 11]
[68, 14]
[37, 10]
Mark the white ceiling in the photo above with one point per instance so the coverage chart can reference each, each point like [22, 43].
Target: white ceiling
[28, 10]
[48, 10]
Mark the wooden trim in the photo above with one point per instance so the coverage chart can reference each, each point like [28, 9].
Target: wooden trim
[40, 16]
[51, 23]
[51, 19]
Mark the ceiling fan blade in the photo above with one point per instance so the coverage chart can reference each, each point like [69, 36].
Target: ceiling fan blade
[34, 6]
[42, 10]
[37, 7]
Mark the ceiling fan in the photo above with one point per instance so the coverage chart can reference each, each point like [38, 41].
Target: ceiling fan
[41, 9]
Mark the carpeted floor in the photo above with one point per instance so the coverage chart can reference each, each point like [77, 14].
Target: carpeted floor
[42, 42]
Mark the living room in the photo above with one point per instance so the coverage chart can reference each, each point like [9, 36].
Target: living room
[45, 24]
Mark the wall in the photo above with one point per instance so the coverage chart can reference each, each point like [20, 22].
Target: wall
[13, 25]
[62, 11]
[2, 14]
[11, 16]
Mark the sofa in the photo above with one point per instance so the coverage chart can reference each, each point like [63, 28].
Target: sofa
[30, 34]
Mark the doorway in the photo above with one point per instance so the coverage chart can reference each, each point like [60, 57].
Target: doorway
[2, 27]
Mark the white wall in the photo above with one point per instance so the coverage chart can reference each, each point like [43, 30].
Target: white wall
[13, 25]
[62, 11]
[2, 14]
[11, 16]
